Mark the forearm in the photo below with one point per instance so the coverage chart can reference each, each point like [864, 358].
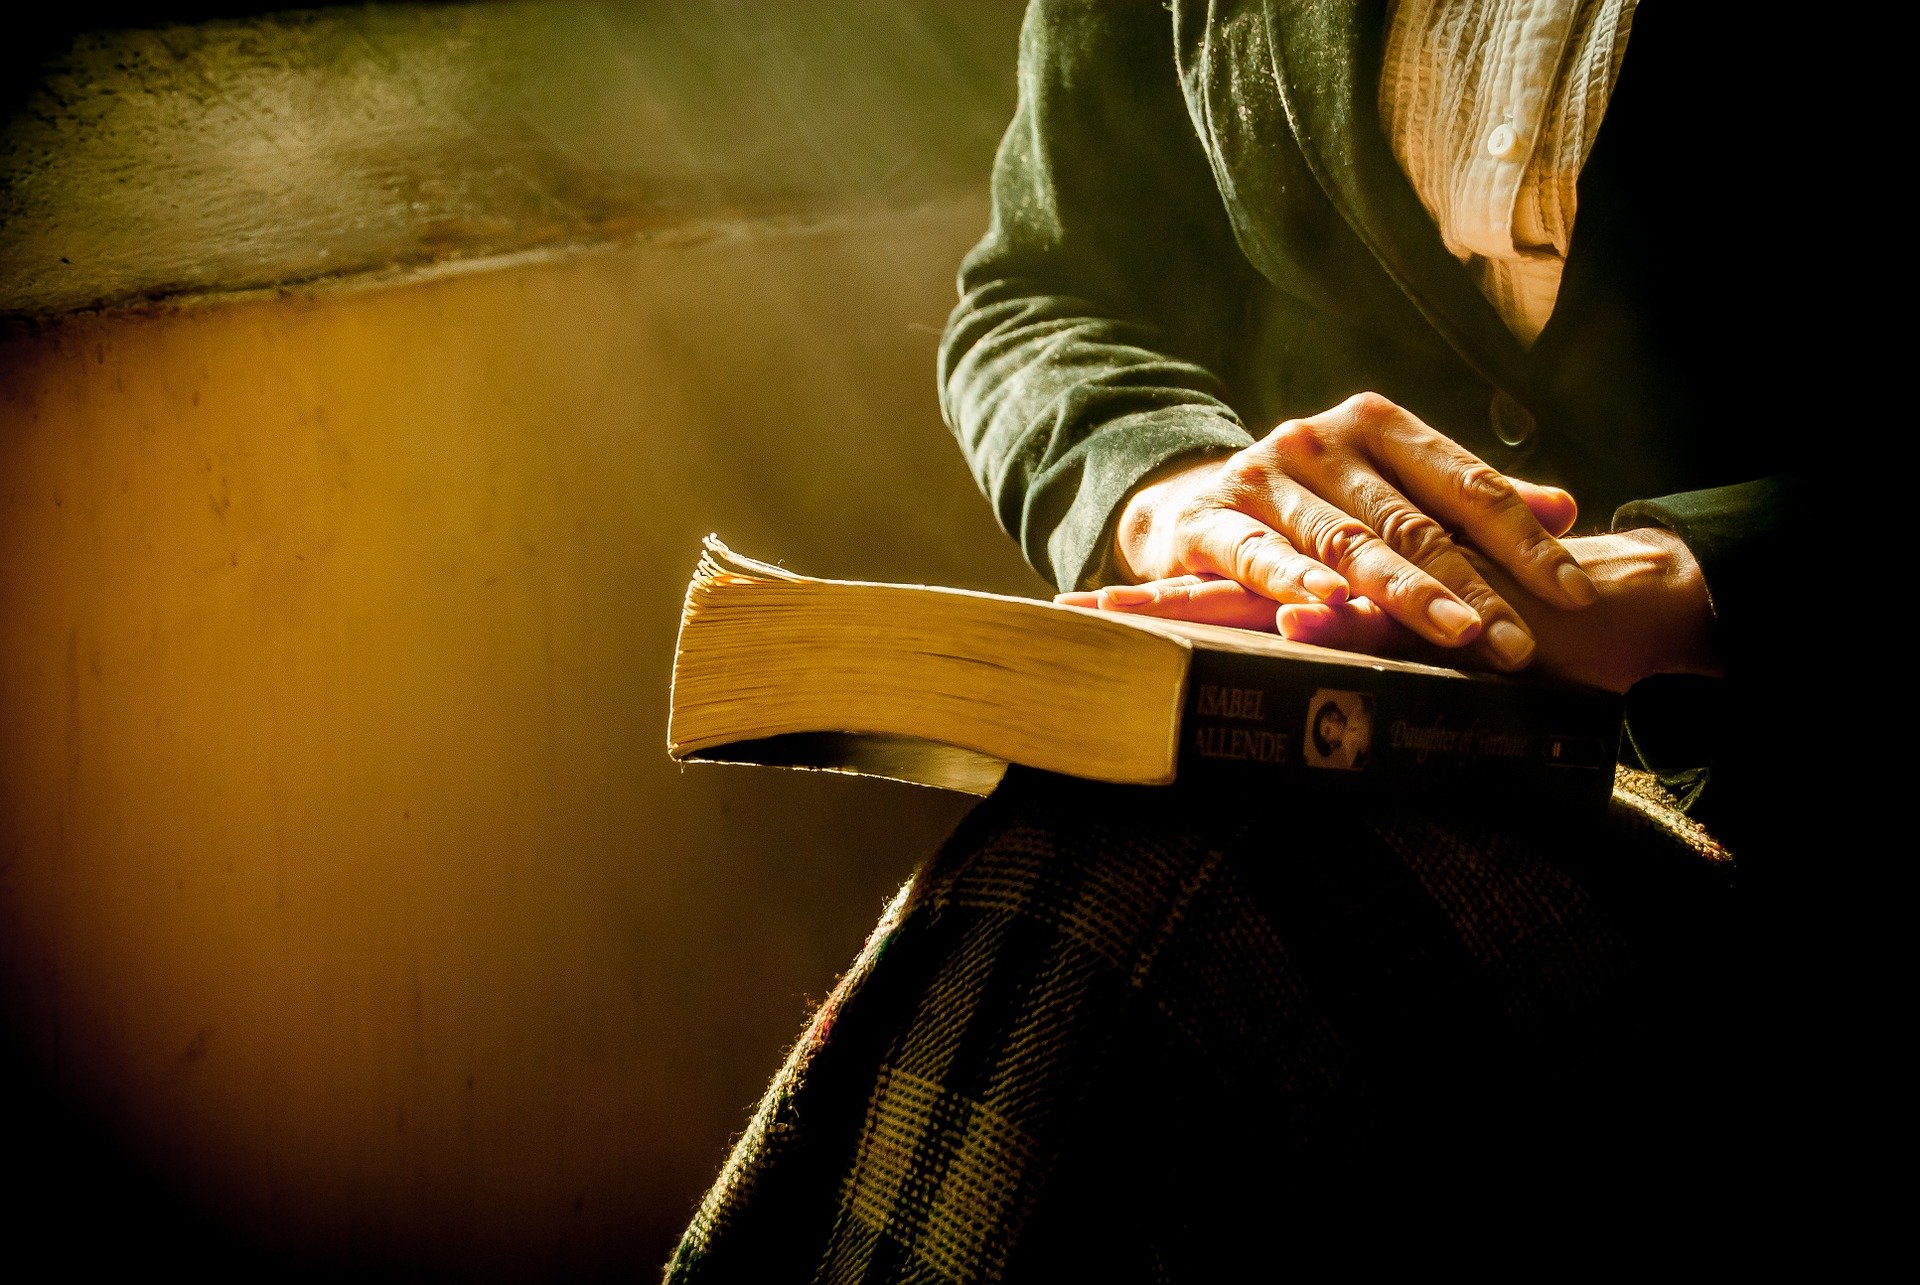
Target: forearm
[1086, 349]
[1750, 544]
[1062, 413]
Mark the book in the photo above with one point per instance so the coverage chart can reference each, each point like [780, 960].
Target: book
[945, 687]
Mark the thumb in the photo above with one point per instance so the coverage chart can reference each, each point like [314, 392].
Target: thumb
[1551, 507]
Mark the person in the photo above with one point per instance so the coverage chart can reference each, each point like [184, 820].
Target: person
[1266, 352]
[1340, 320]
[1329, 729]
[1339, 730]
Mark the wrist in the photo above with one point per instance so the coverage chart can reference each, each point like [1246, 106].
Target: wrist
[1675, 596]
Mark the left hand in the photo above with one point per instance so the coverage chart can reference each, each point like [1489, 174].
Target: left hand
[1362, 499]
[1652, 615]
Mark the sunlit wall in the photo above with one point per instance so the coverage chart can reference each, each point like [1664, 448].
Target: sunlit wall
[348, 901]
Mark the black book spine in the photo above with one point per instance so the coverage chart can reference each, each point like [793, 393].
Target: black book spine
[1255, 721]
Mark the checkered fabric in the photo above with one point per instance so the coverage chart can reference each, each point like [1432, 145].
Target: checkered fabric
[1115, 1035]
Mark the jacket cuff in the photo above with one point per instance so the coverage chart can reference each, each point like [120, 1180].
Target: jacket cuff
[1737, 534]
[1108, 467]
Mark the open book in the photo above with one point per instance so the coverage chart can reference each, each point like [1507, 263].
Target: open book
[945, 687]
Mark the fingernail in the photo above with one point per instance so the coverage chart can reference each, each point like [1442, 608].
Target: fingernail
[1077, 598]
[1294, 620]
[1576, 584]
[1456, 618]
[1126, 595]
[1509, 642]
[1325, 585]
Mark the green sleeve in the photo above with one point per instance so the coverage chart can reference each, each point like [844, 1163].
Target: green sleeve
[1740, 536]
[1087, 346]
[1725, 739]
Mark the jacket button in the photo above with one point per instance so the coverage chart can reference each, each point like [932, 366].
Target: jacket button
[1512, 423]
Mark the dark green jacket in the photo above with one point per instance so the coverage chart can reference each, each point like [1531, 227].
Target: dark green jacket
[1199, 230]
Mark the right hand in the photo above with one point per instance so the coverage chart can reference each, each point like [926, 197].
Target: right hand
[1359, 501]
[1653, 616]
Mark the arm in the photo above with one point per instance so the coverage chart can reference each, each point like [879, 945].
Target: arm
[1687, 584]
[1084, 373]
[1095, 315]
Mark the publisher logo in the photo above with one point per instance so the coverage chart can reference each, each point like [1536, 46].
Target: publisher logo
[1339, 730]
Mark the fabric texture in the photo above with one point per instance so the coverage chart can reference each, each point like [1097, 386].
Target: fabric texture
[1491, 107]
[1108, 1035]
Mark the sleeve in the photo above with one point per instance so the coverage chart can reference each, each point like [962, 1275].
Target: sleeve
[1088, 345]
[1750, 542]
[1739, 535]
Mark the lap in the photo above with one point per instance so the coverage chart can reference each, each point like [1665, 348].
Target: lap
[1095, 1002]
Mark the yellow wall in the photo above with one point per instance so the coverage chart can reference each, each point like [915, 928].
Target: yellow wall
[344, 881]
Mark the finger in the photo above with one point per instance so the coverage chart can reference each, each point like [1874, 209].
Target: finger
[1553, 508]
[1375, 570]
[1482, 503]
[1421, 541]
[1113, 597]
[1350, 480]
[1469, 496]
[1204, 600]
[1358, 625]
[1335, 456]
[1240, 546]
[1506, 642]
[1361, 625]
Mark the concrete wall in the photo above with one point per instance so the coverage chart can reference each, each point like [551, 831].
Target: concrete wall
[351, 914]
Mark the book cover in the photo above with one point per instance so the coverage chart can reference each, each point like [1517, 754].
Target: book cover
[944, 687]
[1353, 727]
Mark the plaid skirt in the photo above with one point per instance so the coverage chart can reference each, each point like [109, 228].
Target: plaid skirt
[1120, 1034]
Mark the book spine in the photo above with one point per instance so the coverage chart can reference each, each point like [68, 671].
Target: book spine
[1252, 721]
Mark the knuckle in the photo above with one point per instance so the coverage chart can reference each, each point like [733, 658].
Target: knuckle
[1253, 551]
[1408, 583]
[1370, 407]
[1415, 536]
[1252, 476]
[1481, 597]
[1270, 565]
[1297, 439]
[1541, 548]
[1482, 486]
[1340, 541]
[1196, 513]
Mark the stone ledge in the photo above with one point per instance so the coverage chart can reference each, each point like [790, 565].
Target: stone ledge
[248, 153]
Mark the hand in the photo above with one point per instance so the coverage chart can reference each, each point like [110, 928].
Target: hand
[1357, 501]
[1652, 616]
